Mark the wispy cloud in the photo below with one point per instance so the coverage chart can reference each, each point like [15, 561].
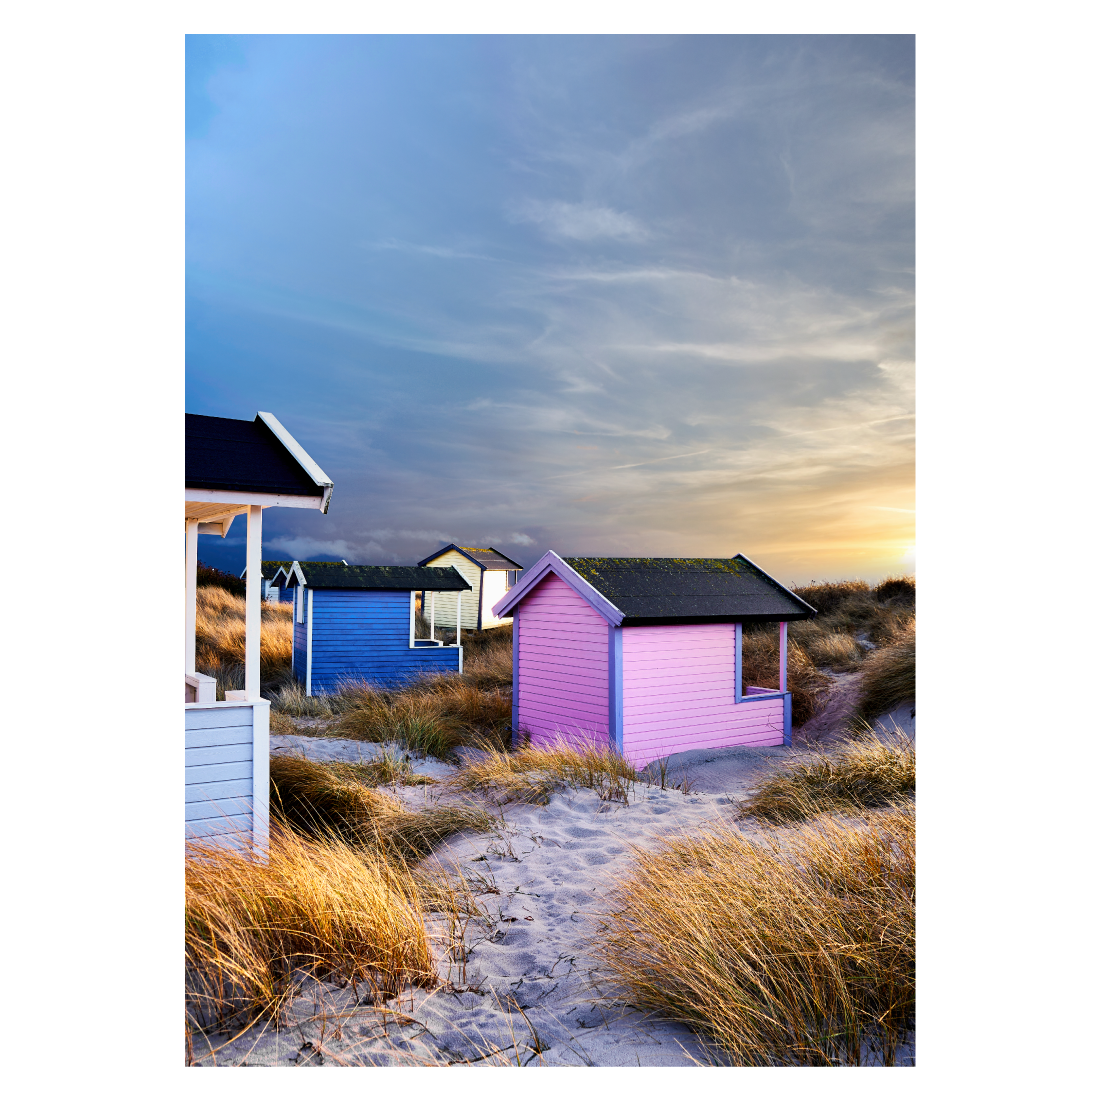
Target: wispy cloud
[583, 221]
[660, 300]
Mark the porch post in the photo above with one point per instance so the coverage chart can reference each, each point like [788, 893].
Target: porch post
[191, 568]
[737, 663]
[433, 614]
[252, 604]
[782, 656]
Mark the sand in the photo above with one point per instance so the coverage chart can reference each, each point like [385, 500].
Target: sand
[529, 991]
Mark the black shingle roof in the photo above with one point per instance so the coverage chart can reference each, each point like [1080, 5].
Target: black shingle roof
[650, 591]
[402, 578]
[488, 558]
[243, 456]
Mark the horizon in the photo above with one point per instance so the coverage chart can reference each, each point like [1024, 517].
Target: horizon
[614, 296]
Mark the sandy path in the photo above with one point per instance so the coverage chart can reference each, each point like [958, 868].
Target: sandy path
[529, 987]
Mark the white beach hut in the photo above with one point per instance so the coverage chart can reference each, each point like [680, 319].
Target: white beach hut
[235, 467]
[490, 574]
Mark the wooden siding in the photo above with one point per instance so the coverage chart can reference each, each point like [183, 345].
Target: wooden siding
[364, 635]
[678, 694]
[298, 657]
[446, 602]
[494, 584]
[560, 682]
[218, 773]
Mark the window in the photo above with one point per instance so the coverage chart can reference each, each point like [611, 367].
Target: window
[300, 603]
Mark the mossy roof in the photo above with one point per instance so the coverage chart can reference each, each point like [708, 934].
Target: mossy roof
[402, 578]
[669, 590]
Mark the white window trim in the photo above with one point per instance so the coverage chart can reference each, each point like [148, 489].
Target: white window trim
[456, 644]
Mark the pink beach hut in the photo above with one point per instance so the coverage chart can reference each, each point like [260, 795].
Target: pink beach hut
[644, 654]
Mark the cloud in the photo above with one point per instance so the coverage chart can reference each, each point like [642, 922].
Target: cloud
[520, 539]
[579, 221]
[301, 547]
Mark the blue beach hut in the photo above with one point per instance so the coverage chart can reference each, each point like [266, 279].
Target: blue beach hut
[358, 622]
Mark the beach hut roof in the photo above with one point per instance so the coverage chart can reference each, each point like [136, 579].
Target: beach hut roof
[401, 578]
[486, 557]
[271, 569]
[250, 456]
[665, 591]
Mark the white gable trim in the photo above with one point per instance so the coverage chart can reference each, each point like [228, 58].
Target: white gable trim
[551, 563]
[318, 475]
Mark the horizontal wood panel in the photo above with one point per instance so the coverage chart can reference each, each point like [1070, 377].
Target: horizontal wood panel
[550, 720]
[655, 708]
[218, 754]
[710, 739]
[562, 640]
[642, 695]
[565, 627]
[686, 663]
[588, 704]
[592, 671]
[573, 664]
[232, 842]
[233, 735]
[229, 769]
[218, 718]
[230, 789]
[647, 656]
[734, 717]
[212, 826]
[701, 732]
[648, 635]
[559, 680]
[548, 708]
[229, 806]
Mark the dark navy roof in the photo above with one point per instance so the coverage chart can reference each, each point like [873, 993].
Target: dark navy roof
[488, 558]
[402, 578]
[242, 456]
[670, 590]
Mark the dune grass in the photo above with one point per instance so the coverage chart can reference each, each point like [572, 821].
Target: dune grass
[866, 773]
[324, 908]
[432, 714]
[890, 675]
[220, 639]
[853, 618]
[760, 668]
[532, 774]
[797, 950]
[340, 800]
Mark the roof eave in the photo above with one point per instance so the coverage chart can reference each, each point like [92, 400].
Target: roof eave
[812, 610]
[699, 620]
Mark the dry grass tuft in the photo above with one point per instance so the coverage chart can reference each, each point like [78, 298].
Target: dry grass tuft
[792, 951]
[220, 635]
[255, 929]
[338, 800]
[900, 589]
[890, 675]
[854, 608]
[866, 773]
[531, 774]
[431, 715]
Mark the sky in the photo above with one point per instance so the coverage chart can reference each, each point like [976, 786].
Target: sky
[624, 296]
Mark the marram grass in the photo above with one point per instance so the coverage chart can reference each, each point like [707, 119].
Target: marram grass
[792, 950]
